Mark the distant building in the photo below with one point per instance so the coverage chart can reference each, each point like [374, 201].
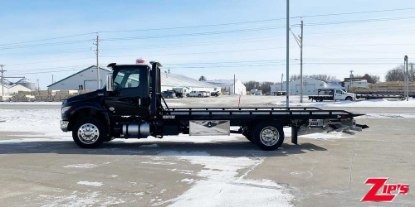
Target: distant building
[85, 79]
[229, 87]
[11, 89]
[26, 83]
[185, 84]
[310, 86]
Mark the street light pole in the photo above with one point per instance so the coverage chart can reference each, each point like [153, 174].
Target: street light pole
[288, 56]
[301, 62]
[406, 78]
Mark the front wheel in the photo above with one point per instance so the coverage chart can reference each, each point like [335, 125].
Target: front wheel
[89, 133]
[349, 98]
[268, 136]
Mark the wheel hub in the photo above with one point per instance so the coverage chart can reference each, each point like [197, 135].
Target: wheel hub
[88, 133]
[269, 136]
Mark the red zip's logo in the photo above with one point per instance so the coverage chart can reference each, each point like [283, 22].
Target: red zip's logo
[382, 192]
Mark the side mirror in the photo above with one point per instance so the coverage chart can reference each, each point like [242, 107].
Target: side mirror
[110, 84]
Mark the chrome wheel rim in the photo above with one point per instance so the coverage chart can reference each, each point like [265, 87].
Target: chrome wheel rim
[88, 133]
[269, 136]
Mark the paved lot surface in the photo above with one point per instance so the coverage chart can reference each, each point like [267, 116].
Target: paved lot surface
[318, 172]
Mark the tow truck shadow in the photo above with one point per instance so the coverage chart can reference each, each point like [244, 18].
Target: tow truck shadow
[229, 149]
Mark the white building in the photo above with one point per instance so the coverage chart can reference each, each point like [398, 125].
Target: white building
[10, 89]
[310, 86]
[229, 87]
[85, 79]
[185, 84]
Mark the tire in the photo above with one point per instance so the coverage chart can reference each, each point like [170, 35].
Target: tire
[94, 133]
[268, 136]
[349, 98]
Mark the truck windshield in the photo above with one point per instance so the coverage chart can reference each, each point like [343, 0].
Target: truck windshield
[127, 78]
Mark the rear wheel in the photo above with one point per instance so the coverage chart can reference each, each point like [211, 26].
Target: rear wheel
[89, 133]
[268, 136]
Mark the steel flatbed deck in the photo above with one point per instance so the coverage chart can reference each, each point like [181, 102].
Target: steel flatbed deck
[272, 113]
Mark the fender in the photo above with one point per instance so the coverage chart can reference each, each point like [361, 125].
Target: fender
[88, 106]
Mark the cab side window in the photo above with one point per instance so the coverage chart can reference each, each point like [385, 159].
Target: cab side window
[127, 78]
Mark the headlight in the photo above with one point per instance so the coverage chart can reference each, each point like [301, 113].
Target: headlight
[65, 109]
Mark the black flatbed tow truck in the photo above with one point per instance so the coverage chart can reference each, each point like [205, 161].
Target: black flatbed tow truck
[131, 106]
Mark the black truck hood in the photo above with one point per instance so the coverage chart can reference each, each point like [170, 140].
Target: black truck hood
[85, 96]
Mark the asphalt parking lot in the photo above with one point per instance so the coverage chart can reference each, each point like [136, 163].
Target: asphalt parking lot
[37, 170]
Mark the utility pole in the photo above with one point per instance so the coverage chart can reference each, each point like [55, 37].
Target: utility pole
[1, 80]
[97, 56]
[234, 84]
[288, 56]
[282, 79]
[52, 78]
[299, 41]
[38, 87]
[301, 62]
[406, 78]
[351, 80]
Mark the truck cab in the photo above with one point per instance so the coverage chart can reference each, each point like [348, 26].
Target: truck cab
[340, 94]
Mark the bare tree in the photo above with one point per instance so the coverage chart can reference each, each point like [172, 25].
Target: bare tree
[397, 74]
[264, 86]
[370, 78]
[322, 77]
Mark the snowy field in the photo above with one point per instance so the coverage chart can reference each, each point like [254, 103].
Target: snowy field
[222, 180]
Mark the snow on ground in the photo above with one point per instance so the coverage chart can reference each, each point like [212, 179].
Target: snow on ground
[32, 121]
[79, 199]
[223, 183]
[89, 183]
[294, 101]
[222, 180]
[32, 103]
[85, 166]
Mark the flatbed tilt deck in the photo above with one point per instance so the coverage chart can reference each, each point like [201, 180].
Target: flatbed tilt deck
[131, 106]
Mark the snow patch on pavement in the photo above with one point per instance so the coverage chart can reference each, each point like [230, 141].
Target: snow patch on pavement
[85, 165]
[79, 199]
[359, 103]
[88, 183]
[222, 181]
[188, 180]
[387, 116]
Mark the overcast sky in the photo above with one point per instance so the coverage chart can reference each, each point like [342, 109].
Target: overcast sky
[214, 38]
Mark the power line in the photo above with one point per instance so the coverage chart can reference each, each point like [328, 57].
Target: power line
[358, 21]
[356, 12]
[207, 52]
[44, 44]
[209, 25]
[47, 39]
[258, 21]
[193, 34]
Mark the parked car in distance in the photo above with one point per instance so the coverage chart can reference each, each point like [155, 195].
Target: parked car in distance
[168, 94]
[205, 93]
[198, 94]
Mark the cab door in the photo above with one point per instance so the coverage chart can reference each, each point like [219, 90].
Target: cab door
[338, 95]
[130, 95]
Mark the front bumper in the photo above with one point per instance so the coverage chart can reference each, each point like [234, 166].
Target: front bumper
[64, 125]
